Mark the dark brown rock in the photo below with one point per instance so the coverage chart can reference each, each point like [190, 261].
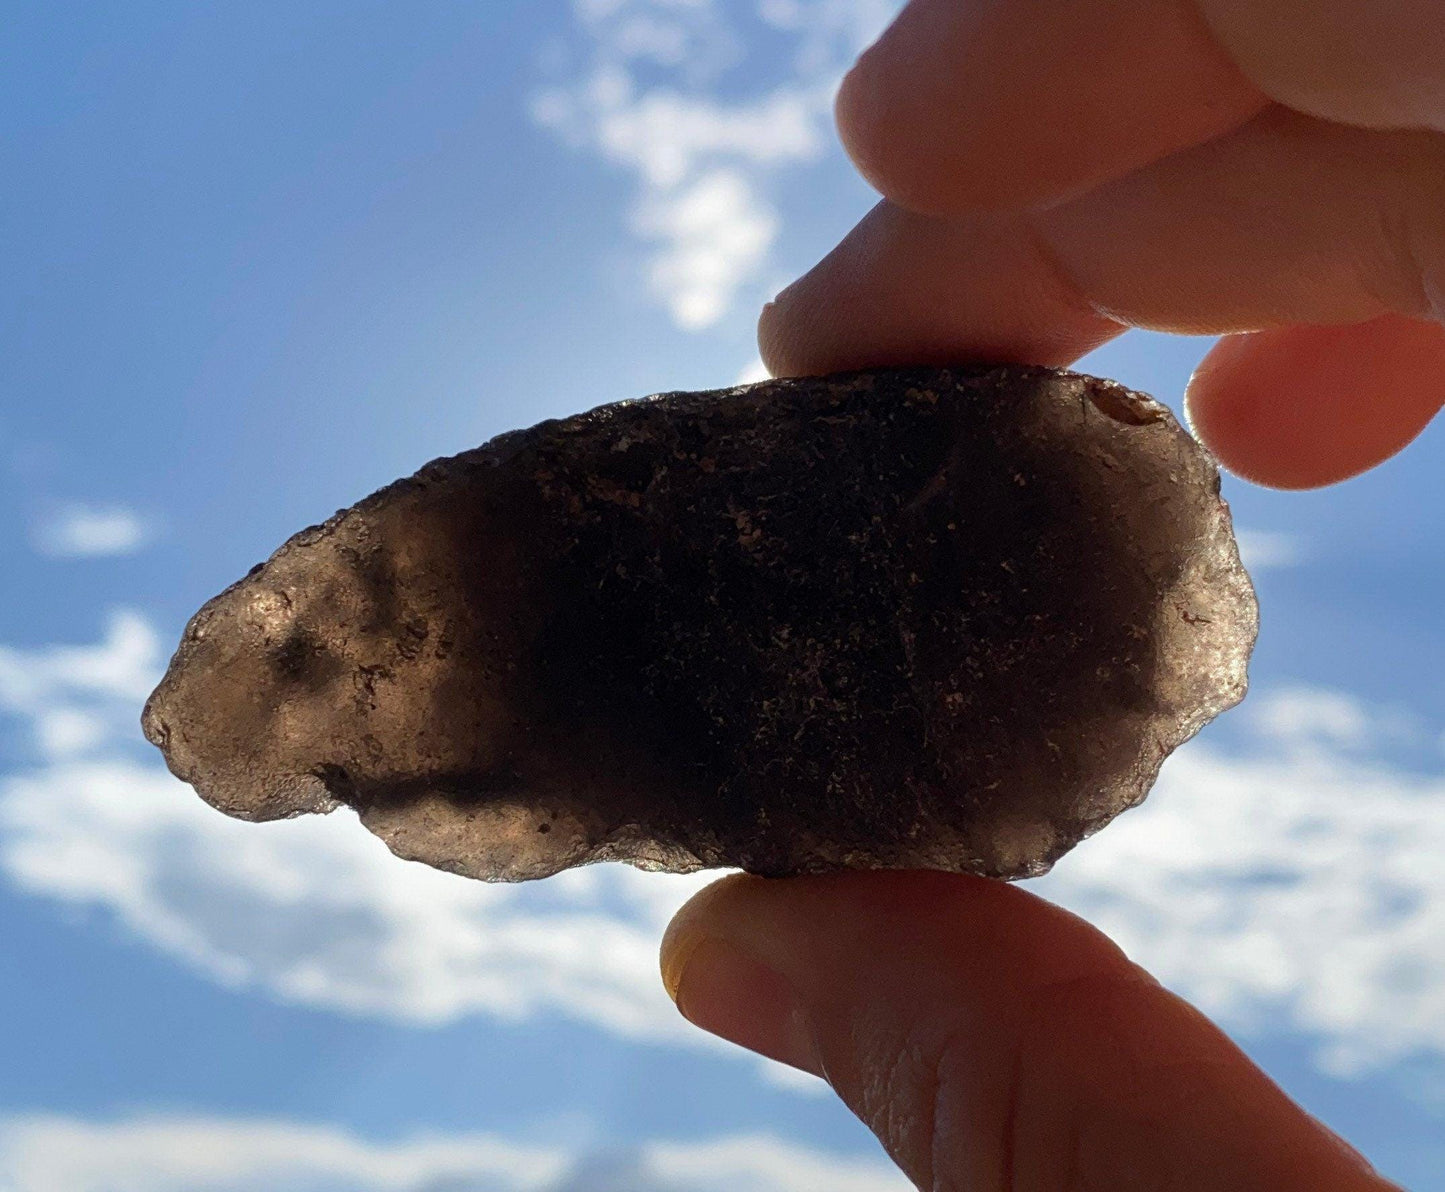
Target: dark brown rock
[932, 618]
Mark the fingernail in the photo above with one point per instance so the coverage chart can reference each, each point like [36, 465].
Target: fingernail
[728, 993]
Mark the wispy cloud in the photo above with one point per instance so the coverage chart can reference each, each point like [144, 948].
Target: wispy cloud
[123, 665]
[1296, 880]
[715, 232]
[705, 143]
[316, 910]
[200, 1154]
[89, 531]
[1299, 718]
[312, 910]
[79, 698]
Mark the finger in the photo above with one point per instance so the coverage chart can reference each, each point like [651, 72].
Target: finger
[1288, 220]
[1306, 406]
[990, 1039]
[1375, 63]
[1011, 103]
[904, 288]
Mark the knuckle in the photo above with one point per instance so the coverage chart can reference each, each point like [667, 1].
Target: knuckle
[1415, 234]
[1355, 61]
[1128, 1080]
[944, 1106]
[917, 1101]
[1065, 1095]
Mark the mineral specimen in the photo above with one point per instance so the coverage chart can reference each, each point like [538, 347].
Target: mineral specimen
[942, 618]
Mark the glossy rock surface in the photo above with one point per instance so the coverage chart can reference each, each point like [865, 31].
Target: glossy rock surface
[929, 618]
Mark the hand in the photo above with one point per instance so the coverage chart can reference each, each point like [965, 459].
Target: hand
[1269, 170]
[1055, 172]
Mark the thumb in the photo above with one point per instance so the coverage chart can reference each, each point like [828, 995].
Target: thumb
[990, 1039]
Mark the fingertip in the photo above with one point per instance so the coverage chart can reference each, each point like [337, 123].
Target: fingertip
[774, 328]
[689, 927]
[857, 110]
[1302, 407]
[727, 992]
[904, 160]
[904, 289]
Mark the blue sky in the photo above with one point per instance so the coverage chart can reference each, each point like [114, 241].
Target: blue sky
[259, 259]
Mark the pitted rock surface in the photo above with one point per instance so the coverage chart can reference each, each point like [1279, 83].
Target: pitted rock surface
[934, 618]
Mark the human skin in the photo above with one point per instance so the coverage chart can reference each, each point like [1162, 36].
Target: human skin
[1271, 171]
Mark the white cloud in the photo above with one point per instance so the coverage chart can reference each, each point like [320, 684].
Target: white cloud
[821, 22]
[88, 531]
[716, 234]
[77, 698]
[667, 136]
[57, 1154]
[123, 665]
[1297, 880]
[706, 157]
[1299, 717]
[316, 910]
[1261, 549]
[198, 1154]
[64, 732]
[763, 1163]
